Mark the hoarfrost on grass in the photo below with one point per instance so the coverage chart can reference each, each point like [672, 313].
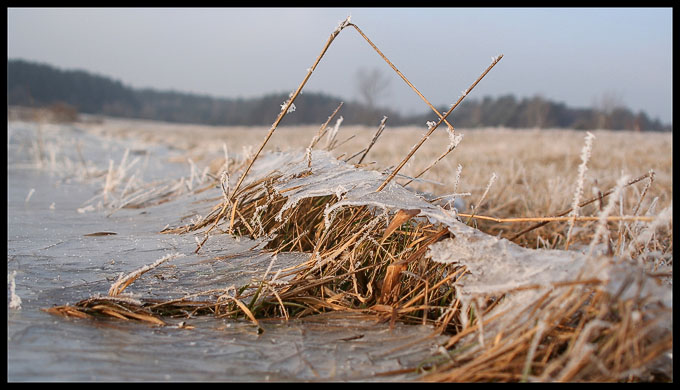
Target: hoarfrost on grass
[601, 229]
[495, 265]
[582, 169]
[454, 139]
[342, 24]
[15, 300]
[333, 133]
[499, 266]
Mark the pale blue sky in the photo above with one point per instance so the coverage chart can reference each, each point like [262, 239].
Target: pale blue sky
[569, 55]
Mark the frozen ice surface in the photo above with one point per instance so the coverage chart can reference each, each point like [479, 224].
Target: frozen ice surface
[499, 266]
[331, 176]
[56, 263]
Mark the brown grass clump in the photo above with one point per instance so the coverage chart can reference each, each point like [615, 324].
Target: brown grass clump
[581, 334]
[597, 325]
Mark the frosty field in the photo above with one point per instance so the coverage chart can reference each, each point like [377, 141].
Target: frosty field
[133, 254]
[537, 170]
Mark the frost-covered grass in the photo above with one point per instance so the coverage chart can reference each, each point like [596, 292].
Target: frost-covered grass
[382, 238]
[522, 310]
[537, 171]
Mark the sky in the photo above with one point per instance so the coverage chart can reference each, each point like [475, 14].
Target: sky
[577, 56]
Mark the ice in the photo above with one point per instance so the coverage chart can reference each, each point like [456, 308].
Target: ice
[496, 266]
[51, 262]
[331, 176]
[499, 266]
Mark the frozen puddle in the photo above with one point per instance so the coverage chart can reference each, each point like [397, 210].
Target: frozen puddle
[54, 207]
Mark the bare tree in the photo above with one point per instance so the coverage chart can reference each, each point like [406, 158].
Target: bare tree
[371, 85]
[537, 111]
[605, 106]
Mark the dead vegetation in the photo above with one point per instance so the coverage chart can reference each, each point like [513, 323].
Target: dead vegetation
[368, 255]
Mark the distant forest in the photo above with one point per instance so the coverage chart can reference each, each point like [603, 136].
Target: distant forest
[32, 84]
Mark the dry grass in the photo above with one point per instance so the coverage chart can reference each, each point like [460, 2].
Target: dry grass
[536, 169]
[579, 334]
[576, 330]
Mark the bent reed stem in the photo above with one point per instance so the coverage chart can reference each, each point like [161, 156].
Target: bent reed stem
[334, 34]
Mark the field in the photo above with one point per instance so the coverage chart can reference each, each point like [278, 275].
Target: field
[337, 253]
[537, 170]
[586, 298]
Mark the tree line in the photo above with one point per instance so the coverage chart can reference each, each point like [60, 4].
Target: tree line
[33, 84]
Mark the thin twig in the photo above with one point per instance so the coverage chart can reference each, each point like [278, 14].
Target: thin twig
[377, 134]
[591, 200]
[481, 200]
[124, 281]
[558, 219]
[319, 134]
[449, 150]
[644, 191]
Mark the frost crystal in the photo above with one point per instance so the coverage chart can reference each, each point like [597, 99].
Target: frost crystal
[225, 167]
[488, 186]
[664, 217]
[225, 189]
[454, 139]
[459, 170]
[582, 169]
[342, 24]
[290, 109]
[327, 216]
[275, 280]
[15, 301]
[340, 191]
[271, 263]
